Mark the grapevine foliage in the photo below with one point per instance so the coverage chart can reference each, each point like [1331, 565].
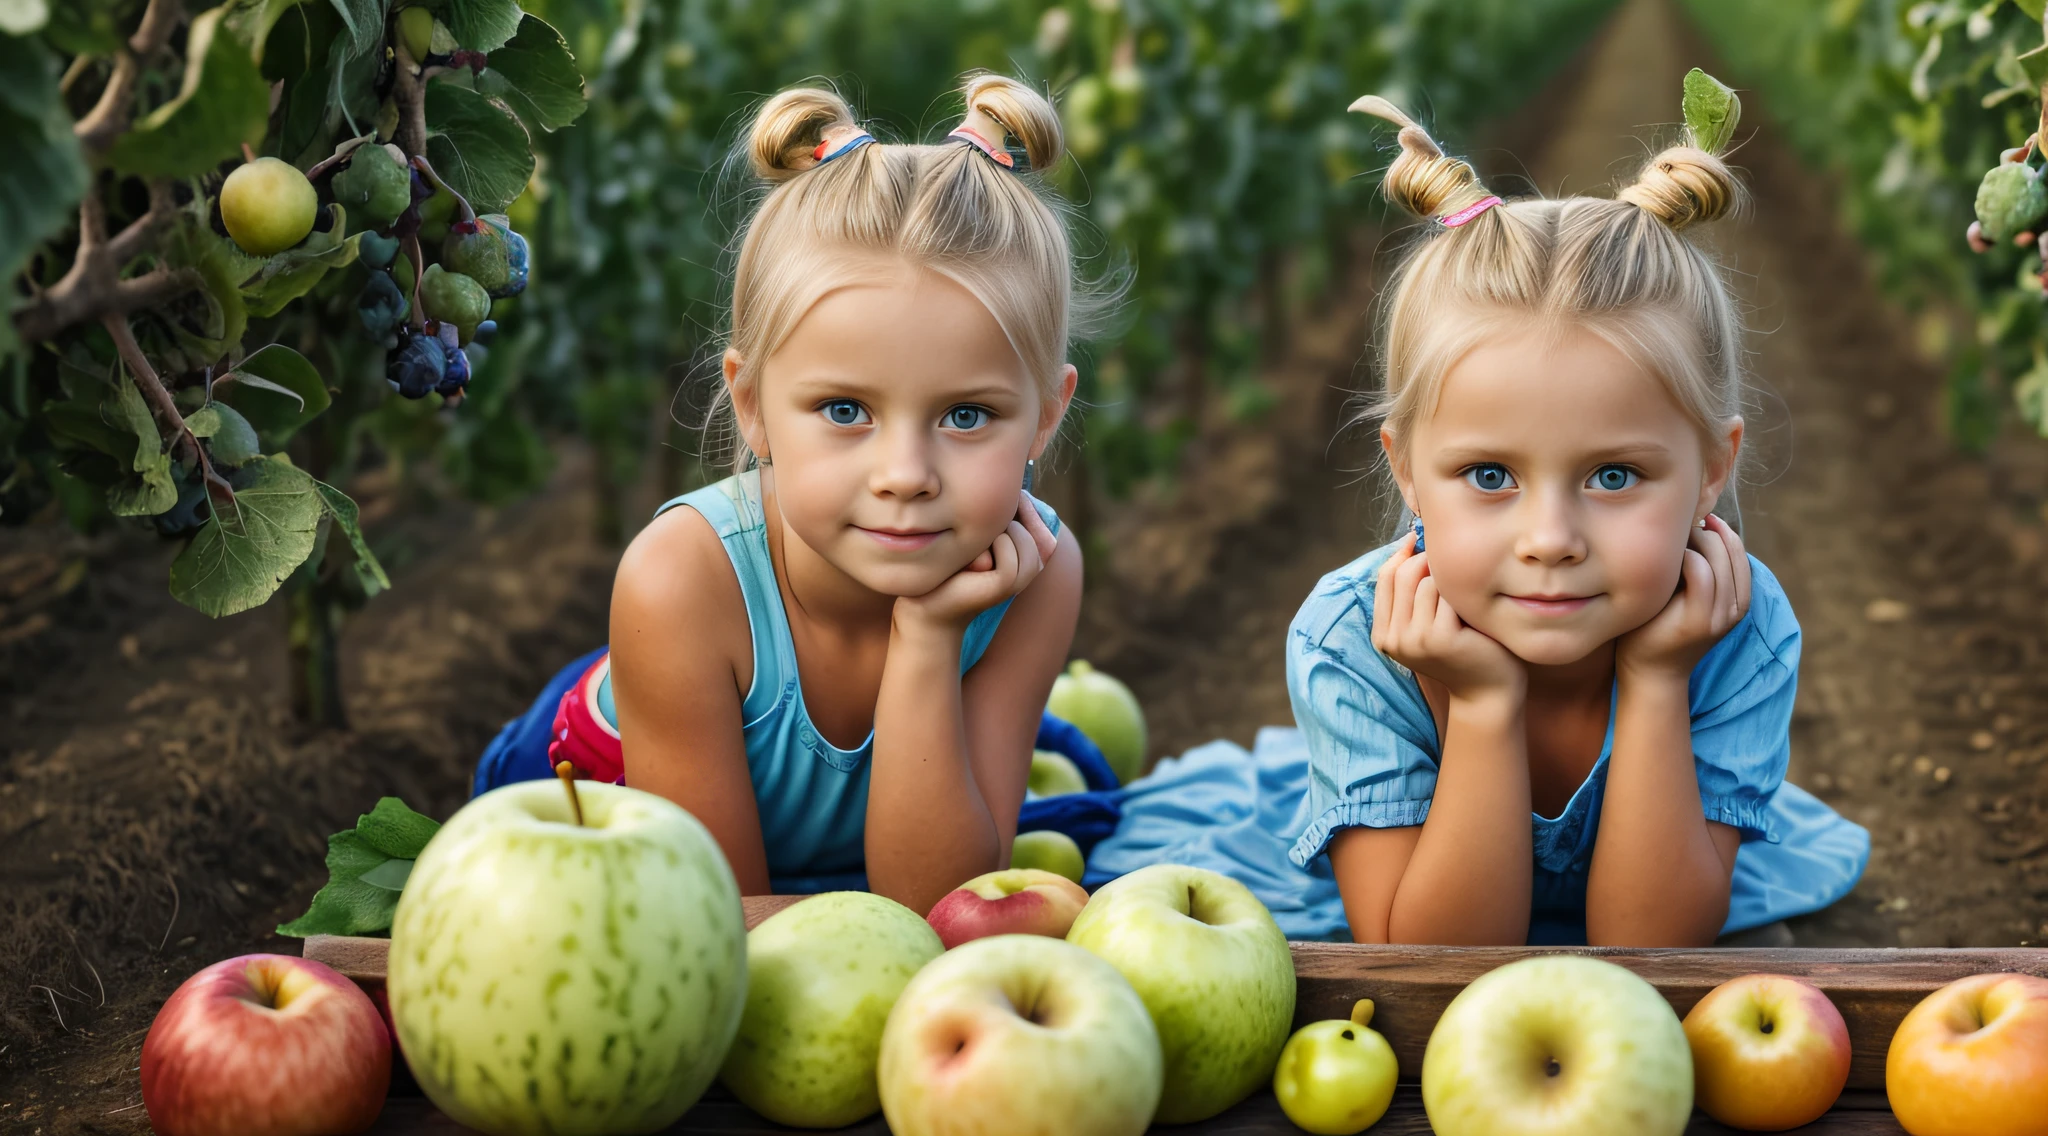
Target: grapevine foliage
[1923, 109]
[213, 228]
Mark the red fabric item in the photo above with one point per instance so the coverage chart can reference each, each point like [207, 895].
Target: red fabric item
[581, 735]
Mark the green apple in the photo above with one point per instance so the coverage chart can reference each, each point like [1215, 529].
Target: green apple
[1212, 967]
[1049, 851]
[1336, 1077]
[268, 206]
[1106, 711]
[1558, 1045]
[1053, 774]
[550, 977]
[1020, 1035]
[822, 975]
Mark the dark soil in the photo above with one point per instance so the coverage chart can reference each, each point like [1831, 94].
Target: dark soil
[159, 810]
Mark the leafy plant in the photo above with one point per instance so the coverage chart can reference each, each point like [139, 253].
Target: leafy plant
[367, 868]
[228, 171]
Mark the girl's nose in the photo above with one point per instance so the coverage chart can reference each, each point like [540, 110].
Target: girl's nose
[1549, 532]
[903, 466]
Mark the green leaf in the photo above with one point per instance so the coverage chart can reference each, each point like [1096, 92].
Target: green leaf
[1711, 111]
[250, 21]
[234, 440]
[536, 76]
[346, 905]
[477, 146]
[479, 25]
[23, 17]
[367, 867]
[395, 830]
[389, 875]
[2031, 7]
[224, 103]
[276, 389]
[2035, 64]
[44, 175]
[250, 544]
[342, 510]
[151, 491]
[363, 20]
[293, 272]
[222, 267]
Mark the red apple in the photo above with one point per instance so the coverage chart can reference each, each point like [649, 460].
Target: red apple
[1019, 901]
[1768, 1053]
[266, 1045]
[1972, 1059]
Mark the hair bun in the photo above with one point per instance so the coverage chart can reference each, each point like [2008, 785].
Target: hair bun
[1684, 185]
[1423, 180]
[789, 127]
[1023, 113]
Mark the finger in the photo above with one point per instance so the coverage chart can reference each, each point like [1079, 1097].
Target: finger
[983, 562]
[1738, 553]
[1004, 549]
[1696, 584]
[1398, 596]
[1719, 596]
[1422, 621]
[1383, 591]
[1028, 561]
[1041, 533]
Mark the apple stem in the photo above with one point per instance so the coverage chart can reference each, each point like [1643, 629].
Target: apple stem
[248, 155]
[567, 772]
[1361, 1013]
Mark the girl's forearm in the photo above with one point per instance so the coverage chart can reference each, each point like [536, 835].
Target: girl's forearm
[928, 826]
[1657, 879]
[1469, 878]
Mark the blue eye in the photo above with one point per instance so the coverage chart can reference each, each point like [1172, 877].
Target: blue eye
[1489, 478]
[844, 412]
[1614, 478]
[967, 417]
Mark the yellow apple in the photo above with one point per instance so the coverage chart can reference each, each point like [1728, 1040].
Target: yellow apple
[1972, 1059]
[1768, 1053]
[267, 206]
[1336, 1077]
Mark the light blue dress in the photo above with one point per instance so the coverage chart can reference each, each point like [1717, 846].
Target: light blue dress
[1366, 753]
[812, 795]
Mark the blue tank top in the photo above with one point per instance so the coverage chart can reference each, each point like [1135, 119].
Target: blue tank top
[812, 796]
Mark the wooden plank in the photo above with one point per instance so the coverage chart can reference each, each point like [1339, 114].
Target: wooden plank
[1410, 986]
[720, 1115]
[364, 958]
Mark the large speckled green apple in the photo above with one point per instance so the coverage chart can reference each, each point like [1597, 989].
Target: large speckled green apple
[550, 977]
[1558, 1045]
[267, 206]
[822, 977]
[1019, 1035]
[1212, 967]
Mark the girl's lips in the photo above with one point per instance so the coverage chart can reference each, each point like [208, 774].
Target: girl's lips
[1563, 605]
[900, 541]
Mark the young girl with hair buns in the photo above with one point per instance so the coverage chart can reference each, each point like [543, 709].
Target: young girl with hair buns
[1557, 710]
[837, 657]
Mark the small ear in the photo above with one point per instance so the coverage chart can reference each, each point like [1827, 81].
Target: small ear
[1054, 411]
[746, 405]
[1397, 463]
[1720, 464]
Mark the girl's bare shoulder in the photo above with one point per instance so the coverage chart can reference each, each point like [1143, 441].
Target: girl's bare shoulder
[677, 569]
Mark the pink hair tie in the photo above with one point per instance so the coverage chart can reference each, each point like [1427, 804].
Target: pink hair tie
[1468, 212]
[996, 154]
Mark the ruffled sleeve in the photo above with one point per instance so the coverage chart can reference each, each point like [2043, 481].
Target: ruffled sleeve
[1741, 697]
[1371, 738]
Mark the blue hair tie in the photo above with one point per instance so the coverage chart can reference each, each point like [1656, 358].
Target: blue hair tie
[847, 147]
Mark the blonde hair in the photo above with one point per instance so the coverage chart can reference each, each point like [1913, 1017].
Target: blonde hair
[948, 207]
[1619, 268]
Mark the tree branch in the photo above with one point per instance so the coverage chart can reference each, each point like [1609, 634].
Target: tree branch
[93, 286]
[409, 92]
[109, 117]
[161, 406]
